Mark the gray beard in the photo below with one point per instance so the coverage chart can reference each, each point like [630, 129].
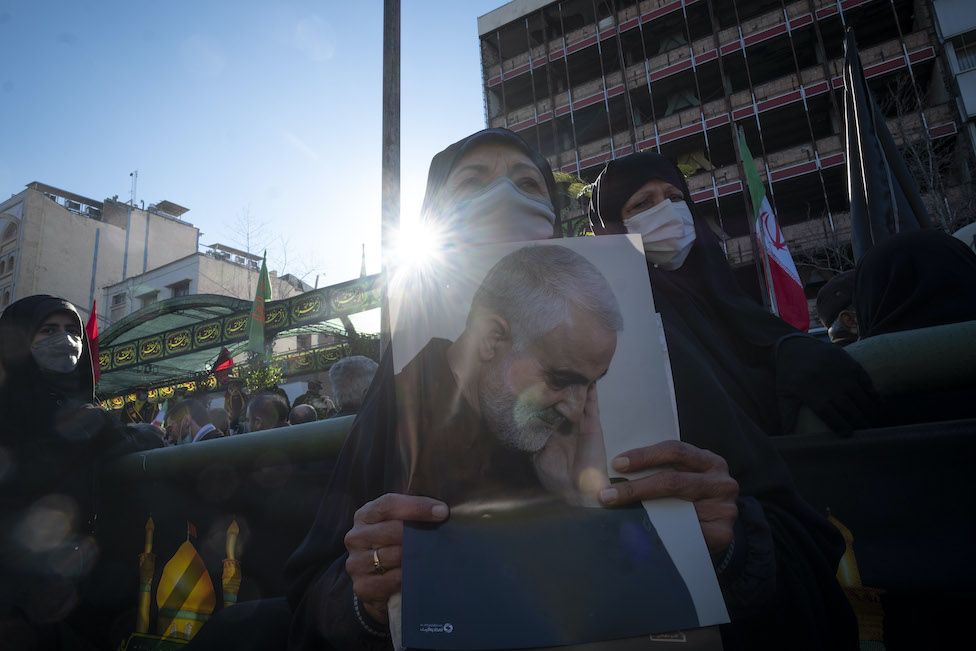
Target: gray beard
[511, 423]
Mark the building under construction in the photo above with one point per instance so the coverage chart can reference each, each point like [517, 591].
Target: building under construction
[590, 80]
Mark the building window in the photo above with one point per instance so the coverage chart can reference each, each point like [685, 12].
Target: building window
[181, 288]
[965, 47]
[118, 299]
[304, 342]
[148, 299]
[6, 299]
[10, 232]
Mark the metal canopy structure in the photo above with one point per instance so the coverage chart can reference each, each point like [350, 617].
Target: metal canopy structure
[180, 338]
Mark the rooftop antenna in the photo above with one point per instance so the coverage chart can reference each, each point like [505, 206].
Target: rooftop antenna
[128, 227]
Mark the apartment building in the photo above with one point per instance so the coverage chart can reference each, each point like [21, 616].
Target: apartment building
[53, 241]
[219, 269]
[586, 81]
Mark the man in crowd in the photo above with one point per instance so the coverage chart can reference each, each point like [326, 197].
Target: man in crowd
[266, 410]
[140, 411]
[350, 377]
[191, 422]
[315, 397]
[303, 413]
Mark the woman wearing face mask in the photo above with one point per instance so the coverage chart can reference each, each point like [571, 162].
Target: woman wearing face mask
[777, 570]
[51, 436]
[489, 187]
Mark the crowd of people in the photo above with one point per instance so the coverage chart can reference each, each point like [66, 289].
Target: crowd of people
[191, 419]
[774, 555]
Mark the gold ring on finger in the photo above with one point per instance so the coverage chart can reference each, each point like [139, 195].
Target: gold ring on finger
[377, 565]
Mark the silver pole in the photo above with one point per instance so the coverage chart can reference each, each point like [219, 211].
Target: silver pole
[391, 144]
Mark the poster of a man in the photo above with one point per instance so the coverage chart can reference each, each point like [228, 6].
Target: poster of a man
[499, 416]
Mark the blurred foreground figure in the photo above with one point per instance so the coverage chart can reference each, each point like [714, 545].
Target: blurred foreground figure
[351, 377]
[915, 280]
[51, 438]
[907, 286]
[835, 305]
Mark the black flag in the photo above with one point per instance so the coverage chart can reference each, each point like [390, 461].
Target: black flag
[884, 197]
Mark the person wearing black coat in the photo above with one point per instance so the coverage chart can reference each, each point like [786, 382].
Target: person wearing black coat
[53, 437]
[739, 374]
[775, 557]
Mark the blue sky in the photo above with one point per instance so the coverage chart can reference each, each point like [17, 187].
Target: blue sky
[271, 108]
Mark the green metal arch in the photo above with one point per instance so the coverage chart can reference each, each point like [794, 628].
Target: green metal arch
[170, 306]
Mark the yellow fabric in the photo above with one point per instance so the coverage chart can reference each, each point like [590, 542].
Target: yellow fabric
[185, 595]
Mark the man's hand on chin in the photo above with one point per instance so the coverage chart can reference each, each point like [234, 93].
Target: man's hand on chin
[574, 466]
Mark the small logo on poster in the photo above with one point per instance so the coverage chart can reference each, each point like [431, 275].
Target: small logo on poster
[437, 628]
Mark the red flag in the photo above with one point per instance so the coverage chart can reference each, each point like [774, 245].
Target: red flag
[91, 331]
[785, 286]
[224, 361]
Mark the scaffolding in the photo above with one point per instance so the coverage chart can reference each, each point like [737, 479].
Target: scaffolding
[586, 81]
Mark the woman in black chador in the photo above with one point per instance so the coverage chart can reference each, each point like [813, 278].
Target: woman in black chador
[53, 589]
[739, 373]
[776, 557]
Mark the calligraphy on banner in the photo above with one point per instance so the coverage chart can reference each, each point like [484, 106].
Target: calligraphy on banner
[316, 306]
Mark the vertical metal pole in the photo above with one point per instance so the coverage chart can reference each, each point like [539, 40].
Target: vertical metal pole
[145, 246]
[128, 224]
[391, 146]
[91, 289]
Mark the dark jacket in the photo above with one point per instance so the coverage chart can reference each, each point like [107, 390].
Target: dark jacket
[54, 437]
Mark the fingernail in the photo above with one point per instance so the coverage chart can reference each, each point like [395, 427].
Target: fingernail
[608, 495]
[439, 511]
[620, 464]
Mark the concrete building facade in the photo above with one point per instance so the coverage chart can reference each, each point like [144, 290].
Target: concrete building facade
[956, 25]
[61, 243]
[586, 81]
[220, 270]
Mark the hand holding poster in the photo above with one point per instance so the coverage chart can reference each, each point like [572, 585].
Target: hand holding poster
[518, 375]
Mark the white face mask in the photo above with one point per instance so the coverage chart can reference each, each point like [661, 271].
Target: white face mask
[59, 353]
[667, 230]
[501, 212]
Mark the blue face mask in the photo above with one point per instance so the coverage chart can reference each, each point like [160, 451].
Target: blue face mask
[501, 212]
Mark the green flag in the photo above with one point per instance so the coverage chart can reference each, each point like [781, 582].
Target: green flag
[756, 190]
[255, 333]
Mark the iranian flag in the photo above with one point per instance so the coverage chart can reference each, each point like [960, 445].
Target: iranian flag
[785, 288]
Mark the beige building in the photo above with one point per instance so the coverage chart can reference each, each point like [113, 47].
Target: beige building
[220, 270]
[61, 243]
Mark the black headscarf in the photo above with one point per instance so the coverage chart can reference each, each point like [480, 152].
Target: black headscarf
[370, 463]
[53, 438]
[24, 389]
[443, 162]
[722, 346]
[702, 297]
[915, 280]
[812, 608]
